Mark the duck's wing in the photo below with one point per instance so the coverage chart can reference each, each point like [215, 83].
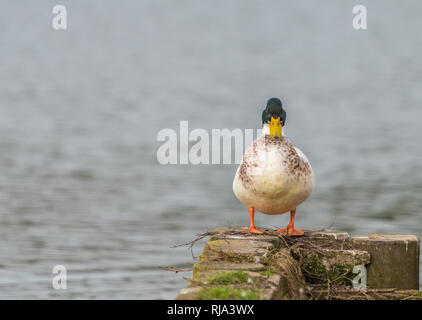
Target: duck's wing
[301, 155]
[305, 168]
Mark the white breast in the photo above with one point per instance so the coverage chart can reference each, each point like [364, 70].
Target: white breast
[274, 177]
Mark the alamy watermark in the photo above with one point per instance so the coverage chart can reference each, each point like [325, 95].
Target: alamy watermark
[59, 281]
[359, 21]
[359, 282]
[200, 146]
[59, 21]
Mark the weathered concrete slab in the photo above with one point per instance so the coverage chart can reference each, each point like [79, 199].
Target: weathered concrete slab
[259, 285]
[245, 266]
[329, 234]
[325, 238]
[235, 250]
[238, 233]
[394, 260]
[239, 265]
[235, 245]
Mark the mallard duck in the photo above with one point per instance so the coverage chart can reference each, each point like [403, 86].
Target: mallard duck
[273, 177]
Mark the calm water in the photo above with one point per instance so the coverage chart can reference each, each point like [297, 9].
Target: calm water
[80, 111]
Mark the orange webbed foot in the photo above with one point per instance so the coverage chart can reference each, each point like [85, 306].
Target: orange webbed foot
[291, 232]
[253, 230]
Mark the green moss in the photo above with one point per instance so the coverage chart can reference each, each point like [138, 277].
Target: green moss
[199, 267]
[203, 258]
[227, 293]
[314, 270]
[229, 277]
[267, 273]
[317, 269]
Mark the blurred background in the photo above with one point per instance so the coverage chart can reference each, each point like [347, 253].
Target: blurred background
[80, 110]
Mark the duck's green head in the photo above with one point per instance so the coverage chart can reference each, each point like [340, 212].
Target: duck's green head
[275, 116]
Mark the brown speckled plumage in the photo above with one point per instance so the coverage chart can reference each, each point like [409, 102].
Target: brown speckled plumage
[243, 174]
[273, 176]
[292, 162]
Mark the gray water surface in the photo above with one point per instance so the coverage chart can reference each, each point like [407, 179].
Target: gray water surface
[80, 110]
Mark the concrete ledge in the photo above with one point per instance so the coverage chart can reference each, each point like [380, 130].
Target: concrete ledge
[318, 265]
[394, 260]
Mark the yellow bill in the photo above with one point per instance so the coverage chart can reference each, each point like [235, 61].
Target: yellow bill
[275, 127]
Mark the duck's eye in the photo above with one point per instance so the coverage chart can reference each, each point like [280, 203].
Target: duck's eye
[275, 116]
[283, 117]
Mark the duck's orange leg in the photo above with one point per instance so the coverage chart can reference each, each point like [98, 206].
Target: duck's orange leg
[252, 228]
[290, 230]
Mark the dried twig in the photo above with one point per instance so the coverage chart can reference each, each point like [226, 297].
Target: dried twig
[190, 244]
[175, 269]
